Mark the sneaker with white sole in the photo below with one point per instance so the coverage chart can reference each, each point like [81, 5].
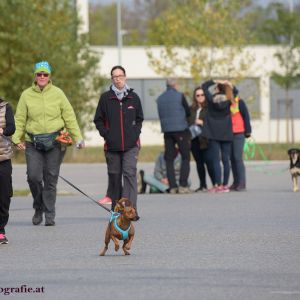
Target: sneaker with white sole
[105, 201]
[214, 189]
[3, 239]
[173, 191]
[223, 189]
[184, 190]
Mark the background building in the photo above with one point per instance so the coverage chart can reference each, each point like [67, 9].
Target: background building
[265, 99]
[263, 96]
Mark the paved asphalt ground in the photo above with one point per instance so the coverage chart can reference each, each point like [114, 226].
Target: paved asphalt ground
[239, 245]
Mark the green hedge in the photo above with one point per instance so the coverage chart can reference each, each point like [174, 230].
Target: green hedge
[149, 153]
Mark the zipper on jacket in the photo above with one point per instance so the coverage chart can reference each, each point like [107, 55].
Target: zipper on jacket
[122, 127]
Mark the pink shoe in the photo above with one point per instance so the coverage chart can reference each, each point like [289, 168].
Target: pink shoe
[213, 189]
[105, 200]
[226, 189]
[223, 189]
[3, 239]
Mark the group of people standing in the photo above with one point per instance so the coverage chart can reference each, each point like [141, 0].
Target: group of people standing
[222, 123]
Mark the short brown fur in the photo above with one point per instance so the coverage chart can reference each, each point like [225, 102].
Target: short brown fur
[127, 215]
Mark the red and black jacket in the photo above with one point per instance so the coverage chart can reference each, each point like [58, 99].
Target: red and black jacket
[119, 122]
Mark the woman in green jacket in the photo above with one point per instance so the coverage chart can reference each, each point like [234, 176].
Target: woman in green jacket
[42, 112]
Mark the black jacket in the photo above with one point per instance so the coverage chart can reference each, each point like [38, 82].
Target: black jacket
[217, 124]
[119, 122]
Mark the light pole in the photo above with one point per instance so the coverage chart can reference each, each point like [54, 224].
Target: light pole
[291, 11]
[119, 32]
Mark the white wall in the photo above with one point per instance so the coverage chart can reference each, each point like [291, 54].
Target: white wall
[137, 67]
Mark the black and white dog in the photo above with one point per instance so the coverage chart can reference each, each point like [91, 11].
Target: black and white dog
[294, 155]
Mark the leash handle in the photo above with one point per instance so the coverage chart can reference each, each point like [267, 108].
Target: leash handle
[83, 193]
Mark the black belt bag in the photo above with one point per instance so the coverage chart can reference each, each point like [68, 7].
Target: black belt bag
[44, 142]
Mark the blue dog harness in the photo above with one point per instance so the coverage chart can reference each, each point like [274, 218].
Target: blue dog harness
[113, 218]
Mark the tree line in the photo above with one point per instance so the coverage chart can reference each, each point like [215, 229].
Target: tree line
[144, 21]
[32, 31]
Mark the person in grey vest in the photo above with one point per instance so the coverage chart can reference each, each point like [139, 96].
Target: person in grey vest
[173, 111]
[7, 128]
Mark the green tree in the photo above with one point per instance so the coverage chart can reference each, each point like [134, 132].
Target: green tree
[31, 31]
[274, 24]
[212, 32]
[137, 18]
[283, 28]
[103, 24]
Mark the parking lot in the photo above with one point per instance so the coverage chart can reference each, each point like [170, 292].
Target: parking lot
[237, 245]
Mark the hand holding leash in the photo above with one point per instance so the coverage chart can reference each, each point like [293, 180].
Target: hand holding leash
[21, 146]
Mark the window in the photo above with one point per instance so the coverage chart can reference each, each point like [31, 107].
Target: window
[278, 101]
[150, 89]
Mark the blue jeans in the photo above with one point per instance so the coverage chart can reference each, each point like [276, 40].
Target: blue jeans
[237, 162]
[217, 149]
[152, 181]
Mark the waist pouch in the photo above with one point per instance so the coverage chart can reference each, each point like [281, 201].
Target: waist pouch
[44, 142]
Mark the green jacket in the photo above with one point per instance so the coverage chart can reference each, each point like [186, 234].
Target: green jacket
[44, 111]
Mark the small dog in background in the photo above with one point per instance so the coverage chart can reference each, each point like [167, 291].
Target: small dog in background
[294, 155]
[120, 226]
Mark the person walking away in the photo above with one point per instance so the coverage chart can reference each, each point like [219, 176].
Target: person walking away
[173, 111]
[218, 130]
[7, 128]
[118, 118]
[241, 128]
[42, 112]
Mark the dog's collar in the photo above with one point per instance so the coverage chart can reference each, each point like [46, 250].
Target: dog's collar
[113, 218]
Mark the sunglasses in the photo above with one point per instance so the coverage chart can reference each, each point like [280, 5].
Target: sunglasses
[42, 74]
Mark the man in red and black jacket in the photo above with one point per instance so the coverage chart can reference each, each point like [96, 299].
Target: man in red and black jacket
[119, 118]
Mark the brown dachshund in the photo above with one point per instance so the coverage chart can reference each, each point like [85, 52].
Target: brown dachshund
[294, 155]
[120, 227]
[121, 204]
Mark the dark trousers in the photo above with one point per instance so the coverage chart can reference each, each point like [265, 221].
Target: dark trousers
[122, 165]
[237, 162]
[200, 157]
[5, 192]
[200, 161]
[183, 142]
[42, 175]
[217, 150]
